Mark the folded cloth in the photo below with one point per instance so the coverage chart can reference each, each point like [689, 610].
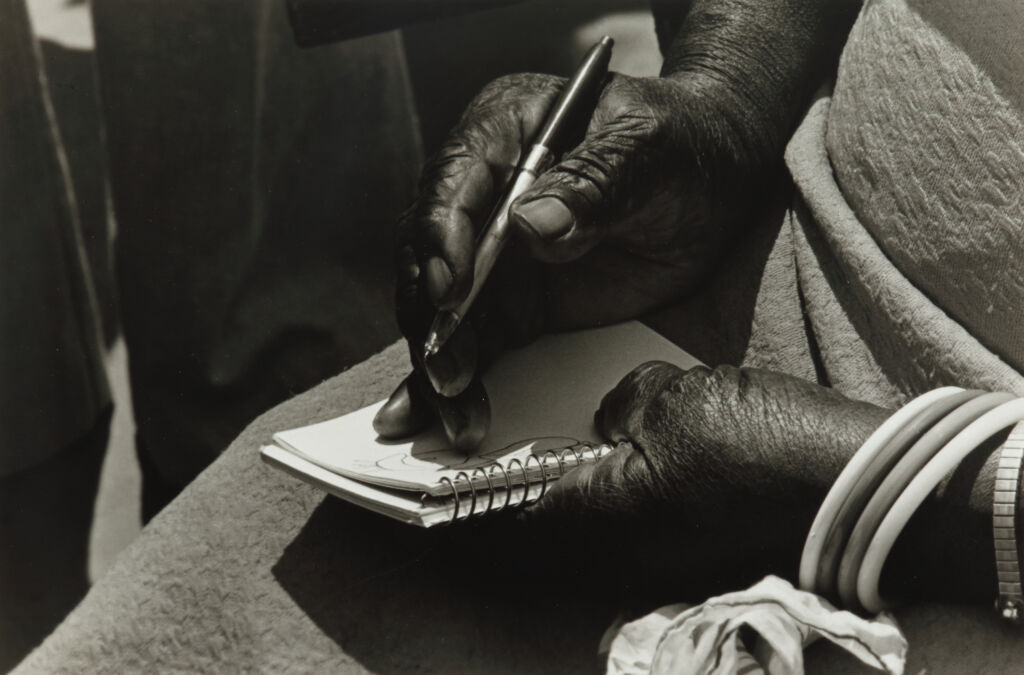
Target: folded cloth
[906, 231]
[712, 637]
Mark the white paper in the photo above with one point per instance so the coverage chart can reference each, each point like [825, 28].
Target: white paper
[543, 397]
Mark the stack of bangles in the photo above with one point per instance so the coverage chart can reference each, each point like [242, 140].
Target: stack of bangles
[893, 473]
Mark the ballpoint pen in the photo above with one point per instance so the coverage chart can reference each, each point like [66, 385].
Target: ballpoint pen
[581, 90]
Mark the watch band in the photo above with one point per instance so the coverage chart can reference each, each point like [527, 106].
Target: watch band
[944, 462]
[1010, 603]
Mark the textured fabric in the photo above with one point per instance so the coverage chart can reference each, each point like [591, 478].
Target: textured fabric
[249, 569]
[882, 331]
[928, 151]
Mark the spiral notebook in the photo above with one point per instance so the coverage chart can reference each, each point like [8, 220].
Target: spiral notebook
[543, 399]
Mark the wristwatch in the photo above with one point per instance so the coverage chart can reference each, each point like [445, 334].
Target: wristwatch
[1010, 603]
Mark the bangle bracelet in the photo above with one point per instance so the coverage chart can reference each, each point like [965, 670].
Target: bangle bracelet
[901, 475]
[976, 433]
[866, 519]
[1010, 602]
[811, 555]
[864, 487]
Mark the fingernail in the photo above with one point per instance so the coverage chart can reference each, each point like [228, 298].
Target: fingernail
[400, 416]
[441, 369]
[451, 369]
[465, 424]
[548, 217]
[439, 279]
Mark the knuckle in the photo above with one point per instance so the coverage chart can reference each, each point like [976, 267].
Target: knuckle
[650, 378]
[433, 214]
[505, 100]
[694, 399]
[585, 178]
[612, 164]
[653, 370]
[589, 171]
[711, 394]
[429, 226]
[701, 381]
[628, 106]
[718, 407]
[514, 86]
[447, 165]
[502, 86]
[438, 229]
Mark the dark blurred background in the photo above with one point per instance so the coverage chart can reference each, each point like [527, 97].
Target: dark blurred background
[195, 224]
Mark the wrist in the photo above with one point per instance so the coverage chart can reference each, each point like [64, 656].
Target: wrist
[955, 526]
[772, 435]
[766, 57]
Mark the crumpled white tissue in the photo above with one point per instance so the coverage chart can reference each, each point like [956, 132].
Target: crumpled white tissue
[707, 639]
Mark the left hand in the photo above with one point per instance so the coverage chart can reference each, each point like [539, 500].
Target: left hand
[718, 479]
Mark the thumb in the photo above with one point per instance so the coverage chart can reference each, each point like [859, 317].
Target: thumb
[568, 208]
[612, 485]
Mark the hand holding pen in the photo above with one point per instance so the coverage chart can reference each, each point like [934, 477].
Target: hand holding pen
[633, 215]
[578, 95]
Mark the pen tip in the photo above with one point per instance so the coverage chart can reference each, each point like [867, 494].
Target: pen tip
[607, 40]
[431, 346]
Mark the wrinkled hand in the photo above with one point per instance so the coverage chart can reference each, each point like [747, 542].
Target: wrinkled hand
[631, 218]
[718, 479]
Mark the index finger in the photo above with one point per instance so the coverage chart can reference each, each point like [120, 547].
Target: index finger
[435, 237]
[460, 184]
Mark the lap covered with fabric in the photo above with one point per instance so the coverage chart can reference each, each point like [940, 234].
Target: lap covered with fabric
[252, 569]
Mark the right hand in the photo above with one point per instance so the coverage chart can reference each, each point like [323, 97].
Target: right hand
[632, 218]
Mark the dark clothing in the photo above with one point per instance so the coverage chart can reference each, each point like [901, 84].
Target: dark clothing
[254, 185]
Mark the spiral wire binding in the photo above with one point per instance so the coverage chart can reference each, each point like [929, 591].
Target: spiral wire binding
[490, 487]
[455, 494]
[526, 479]
[555, 461]
[543, 478]
[508, 484]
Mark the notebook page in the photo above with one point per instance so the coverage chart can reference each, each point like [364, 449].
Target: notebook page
[402, 505]
[543, 397]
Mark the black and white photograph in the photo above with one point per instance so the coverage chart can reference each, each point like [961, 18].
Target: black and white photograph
[511, 336]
